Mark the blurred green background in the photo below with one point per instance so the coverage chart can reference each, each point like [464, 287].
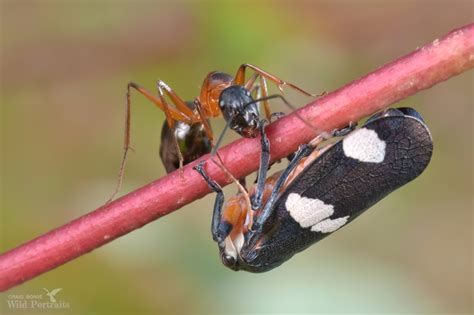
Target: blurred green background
[65, 66]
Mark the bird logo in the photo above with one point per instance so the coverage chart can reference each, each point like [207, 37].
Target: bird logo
[52, 293]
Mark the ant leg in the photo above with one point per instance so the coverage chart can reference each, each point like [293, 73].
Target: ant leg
[303, 151]
[263, 96]
[171, 123]
[262, 92]
[175, 99]
[205, 122]
[251, 82]
[240, 182]
[163, 88]
[219, 231]
[126, 145]
[289, 105]
[262, 172]
[266, 106]
[220, 163]
[276, 115]
[172, 115]
[183, 114]
[344, 131]
[183, 107]
[240, 78]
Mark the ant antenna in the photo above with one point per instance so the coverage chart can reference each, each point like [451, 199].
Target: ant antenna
[221, 137]
[305, 121]
[221, 165]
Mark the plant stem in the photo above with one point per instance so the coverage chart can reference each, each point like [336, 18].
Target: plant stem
[421, 69]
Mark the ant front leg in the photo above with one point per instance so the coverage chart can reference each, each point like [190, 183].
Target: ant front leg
[303, 151]
[262, 94]
[344, 131]
[262, 90]
[257, 225]
[263, 168]
[219, 229]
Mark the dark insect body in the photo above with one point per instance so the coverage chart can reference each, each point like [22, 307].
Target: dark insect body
[192, 142]
[321, 190]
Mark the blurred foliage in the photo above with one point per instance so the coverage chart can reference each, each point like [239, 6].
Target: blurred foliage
[65, 65]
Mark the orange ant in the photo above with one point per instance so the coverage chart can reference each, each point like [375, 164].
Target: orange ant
[221, 94]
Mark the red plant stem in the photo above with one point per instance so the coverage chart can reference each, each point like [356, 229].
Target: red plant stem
[419, 70]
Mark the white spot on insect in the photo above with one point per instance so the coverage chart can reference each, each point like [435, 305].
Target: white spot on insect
[313, 213]
[239, 242]
[307, 211]
[328, 225]
[106, 236]
[364, 145]
[229, 248]
[221, 103]
[181, 130]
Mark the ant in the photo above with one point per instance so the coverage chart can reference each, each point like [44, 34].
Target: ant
[221, 94]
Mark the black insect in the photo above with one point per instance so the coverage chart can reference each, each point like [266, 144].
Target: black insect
[320, 191]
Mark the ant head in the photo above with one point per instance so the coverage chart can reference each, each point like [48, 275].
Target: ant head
[238, 107]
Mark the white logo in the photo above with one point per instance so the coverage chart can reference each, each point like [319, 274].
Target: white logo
[52, 293]
[42, 301]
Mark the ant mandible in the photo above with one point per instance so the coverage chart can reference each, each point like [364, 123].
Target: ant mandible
[221, 94]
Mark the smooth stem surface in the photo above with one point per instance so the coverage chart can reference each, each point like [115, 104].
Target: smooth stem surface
[419, 70]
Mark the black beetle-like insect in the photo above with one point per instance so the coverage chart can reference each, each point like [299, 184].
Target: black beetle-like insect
[320, 191]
